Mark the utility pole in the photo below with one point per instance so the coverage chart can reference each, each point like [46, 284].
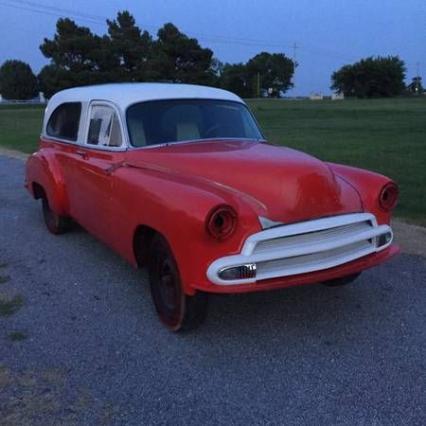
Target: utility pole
[295, 47]
[258, 85]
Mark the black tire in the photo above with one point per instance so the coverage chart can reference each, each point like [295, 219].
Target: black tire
[176, 310]
[55, 223]
[342, 281]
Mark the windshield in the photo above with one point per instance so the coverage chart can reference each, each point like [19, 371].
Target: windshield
[158, 122]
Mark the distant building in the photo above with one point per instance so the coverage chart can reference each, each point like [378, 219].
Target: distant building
[416, 87]
[39, 99]
[337, 97]
[316, 97]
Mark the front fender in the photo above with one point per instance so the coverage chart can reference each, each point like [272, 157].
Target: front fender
[368, 185]
[177, 208]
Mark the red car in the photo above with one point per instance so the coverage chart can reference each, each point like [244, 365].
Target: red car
[179, 178]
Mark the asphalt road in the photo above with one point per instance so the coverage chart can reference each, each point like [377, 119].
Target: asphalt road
[93, 352]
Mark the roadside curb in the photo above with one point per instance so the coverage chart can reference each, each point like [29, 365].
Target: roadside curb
[13, 154]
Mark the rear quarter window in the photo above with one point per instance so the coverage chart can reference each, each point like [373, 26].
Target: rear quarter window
[64, 121]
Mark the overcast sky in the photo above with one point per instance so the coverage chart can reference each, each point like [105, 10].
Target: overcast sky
[328, 33]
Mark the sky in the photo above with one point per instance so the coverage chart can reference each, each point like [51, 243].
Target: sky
[327, 33]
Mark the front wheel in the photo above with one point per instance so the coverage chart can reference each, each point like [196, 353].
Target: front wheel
[342, 281]
[175, 309]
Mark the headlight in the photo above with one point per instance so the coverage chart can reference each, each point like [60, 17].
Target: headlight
[221, 222]
[388, 197]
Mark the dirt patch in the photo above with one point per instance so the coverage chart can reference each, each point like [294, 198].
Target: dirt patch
[27, 396]
[411, 238]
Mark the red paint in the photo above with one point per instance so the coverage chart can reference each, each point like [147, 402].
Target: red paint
[172, 189]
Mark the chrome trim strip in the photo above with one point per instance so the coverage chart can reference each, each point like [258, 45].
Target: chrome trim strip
[160, 145]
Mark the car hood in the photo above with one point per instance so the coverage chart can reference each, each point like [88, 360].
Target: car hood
[287, 185]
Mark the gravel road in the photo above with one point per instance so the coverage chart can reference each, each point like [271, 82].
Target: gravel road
[80, 343]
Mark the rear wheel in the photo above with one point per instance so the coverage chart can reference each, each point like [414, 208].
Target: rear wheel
[175, 309]
[56, 224]
[342, 281]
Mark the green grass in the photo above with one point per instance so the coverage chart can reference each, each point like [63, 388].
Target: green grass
[20, 126]
[387, 136]
[17, 336]
[4, 279]
[10, 306]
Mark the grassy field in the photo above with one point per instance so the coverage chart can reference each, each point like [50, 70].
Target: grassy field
[387, 136]
[20, 126]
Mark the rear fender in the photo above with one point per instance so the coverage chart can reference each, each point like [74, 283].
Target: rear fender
[42, 168]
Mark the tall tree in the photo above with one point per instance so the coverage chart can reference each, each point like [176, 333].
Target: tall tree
[131, 48]
[17, 80]
[77, 57]
[371, 77]
[73, 47]
[181, 59]
[271, 71]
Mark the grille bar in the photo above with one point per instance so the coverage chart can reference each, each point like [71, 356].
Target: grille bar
[312, 262]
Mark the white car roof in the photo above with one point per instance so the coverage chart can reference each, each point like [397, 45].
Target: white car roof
[125, 94]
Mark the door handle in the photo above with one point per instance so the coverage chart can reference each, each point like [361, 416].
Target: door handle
[82, 153]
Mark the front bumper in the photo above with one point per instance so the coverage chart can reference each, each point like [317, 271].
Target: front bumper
[349, 268]
[303, 250]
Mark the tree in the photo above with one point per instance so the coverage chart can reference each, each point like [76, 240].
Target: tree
[179, 58]
[77, 57]
[131, 48]
[52, 78]
[271, 71]
[371, 77]
[236, 78]
[73, 47]
[17, 80]
[126, 53]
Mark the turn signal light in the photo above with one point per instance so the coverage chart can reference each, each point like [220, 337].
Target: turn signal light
[246, 271]
[388, 197]
[383, 239]
[221, 222]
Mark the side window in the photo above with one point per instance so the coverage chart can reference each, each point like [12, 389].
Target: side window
[104, 127]
[64, 121]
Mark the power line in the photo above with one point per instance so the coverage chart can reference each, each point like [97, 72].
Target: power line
[44, 11]
[97, 19]
[216, 39]
[58, 9]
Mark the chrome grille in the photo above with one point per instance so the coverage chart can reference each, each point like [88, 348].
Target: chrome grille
[306, 247]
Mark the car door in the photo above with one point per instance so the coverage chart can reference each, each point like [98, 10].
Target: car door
[90, 186]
